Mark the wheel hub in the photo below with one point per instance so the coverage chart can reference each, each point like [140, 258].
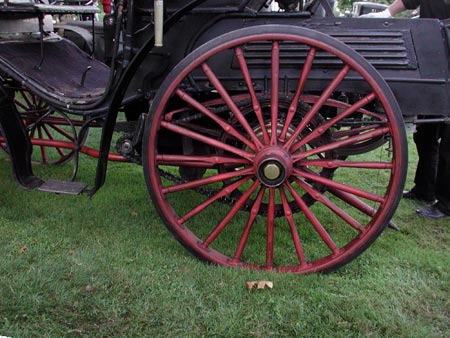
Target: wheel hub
[273, 166]
[272, 171]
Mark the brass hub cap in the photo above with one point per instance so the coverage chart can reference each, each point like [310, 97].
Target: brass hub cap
[272, 171]
[273, 166]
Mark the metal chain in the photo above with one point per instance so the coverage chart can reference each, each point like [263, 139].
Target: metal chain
[202, 190]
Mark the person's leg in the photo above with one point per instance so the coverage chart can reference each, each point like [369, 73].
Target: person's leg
[443, 174]
[427, 143]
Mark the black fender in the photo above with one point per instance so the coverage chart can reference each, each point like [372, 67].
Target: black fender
[17, 140]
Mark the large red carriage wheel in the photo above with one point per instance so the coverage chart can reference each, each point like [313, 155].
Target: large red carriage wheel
[274, 193]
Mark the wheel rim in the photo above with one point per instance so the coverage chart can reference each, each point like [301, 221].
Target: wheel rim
[336, 218]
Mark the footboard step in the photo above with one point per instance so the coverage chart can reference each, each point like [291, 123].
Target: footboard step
[63, 187]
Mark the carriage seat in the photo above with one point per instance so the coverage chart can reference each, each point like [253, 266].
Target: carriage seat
[67, 75]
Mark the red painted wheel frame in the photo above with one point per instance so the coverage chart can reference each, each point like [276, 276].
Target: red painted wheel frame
[272, 208]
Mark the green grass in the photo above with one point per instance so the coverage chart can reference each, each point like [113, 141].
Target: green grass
[107, 267]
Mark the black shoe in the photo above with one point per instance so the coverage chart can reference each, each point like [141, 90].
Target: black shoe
[411, 195]
[431, 213]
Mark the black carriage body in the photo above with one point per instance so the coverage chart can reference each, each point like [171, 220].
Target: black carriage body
[416, 69]
[412, 55]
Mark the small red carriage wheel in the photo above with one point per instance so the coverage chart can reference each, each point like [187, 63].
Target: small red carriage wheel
[48, 130]
[274, 193]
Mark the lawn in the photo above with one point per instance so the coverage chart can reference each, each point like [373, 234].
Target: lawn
[107, 267]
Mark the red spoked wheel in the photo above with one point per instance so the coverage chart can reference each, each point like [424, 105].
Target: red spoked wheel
[49, 130]
[246, 171]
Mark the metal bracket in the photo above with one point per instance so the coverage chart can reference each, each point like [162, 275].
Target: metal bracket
[83, 77]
